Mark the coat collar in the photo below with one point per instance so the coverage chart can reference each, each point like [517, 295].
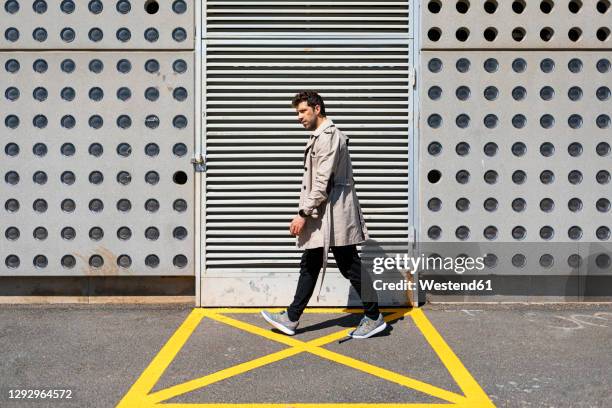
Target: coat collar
[325, 125]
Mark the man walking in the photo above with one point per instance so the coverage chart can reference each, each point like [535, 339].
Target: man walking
[329, 216]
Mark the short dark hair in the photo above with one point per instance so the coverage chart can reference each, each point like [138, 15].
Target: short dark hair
[311, 97]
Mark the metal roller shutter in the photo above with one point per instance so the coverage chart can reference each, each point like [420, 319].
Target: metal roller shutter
[254, 144]
[277, 18]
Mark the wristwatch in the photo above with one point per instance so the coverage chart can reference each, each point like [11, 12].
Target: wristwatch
[302, 214]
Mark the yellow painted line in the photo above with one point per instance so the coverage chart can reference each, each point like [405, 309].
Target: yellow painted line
[137, 396]
[151, 375]
[380, 372]
[311, 347]
[192, 385]
[315, 405]
[251, 328]
[309, 310]
[388, 375]
[296, 348]
[284, 339]
[474, 393]
[321, 341]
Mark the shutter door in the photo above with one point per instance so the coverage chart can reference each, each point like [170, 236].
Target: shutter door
[254, 144]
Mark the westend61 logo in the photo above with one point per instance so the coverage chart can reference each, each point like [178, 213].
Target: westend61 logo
[404, 262]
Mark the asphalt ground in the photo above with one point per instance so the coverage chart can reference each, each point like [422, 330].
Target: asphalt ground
[467, 355]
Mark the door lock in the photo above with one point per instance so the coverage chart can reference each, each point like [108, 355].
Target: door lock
[198, 163]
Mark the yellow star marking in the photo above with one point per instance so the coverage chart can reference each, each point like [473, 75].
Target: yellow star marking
[139, 394]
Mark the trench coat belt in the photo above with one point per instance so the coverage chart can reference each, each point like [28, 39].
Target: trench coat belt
[326, 231]
[343, 182]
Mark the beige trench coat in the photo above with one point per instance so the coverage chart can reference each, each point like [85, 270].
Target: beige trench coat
[327, 197]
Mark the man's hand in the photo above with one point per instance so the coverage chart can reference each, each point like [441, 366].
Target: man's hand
[297, 225]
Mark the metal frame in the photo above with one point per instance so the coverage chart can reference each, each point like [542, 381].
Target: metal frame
[199, 150]
[413, 138]
[413, 59]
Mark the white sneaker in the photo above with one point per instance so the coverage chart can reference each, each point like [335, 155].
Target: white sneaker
[281, 321]
[369, 327]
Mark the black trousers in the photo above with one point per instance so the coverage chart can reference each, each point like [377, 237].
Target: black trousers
[349, 263]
